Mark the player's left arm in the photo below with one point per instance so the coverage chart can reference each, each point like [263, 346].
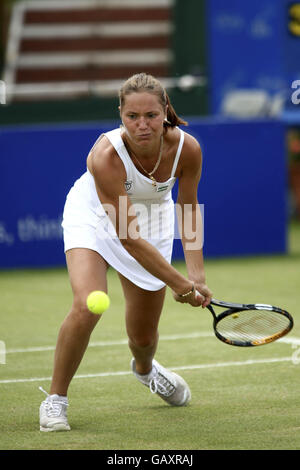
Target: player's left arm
[189, 216]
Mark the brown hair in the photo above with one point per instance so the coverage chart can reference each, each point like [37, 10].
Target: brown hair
[143, 82]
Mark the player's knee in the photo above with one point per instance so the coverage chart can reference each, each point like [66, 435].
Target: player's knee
[143, 341]
[81, 313]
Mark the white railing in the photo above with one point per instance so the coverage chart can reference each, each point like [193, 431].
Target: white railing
[103, 88]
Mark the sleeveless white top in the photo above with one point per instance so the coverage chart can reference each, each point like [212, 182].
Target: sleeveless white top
[87, 225]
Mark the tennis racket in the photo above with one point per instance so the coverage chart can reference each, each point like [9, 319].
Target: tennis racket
[249, 324]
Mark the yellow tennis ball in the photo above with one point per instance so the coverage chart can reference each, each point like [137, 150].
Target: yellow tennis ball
[235, 315]
[97, 302]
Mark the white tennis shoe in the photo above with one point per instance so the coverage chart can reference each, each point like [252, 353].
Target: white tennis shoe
[168, 385]
[53, 413]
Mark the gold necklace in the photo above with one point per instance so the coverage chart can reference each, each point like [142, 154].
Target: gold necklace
[154, 182]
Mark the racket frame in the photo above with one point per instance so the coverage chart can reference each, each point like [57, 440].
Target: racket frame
[232, 308]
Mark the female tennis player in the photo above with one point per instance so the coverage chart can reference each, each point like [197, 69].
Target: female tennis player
[120, 213]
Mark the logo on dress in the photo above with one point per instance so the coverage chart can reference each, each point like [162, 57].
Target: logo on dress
[128, 185]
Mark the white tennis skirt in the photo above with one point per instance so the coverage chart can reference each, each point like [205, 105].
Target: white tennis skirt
[86, 225]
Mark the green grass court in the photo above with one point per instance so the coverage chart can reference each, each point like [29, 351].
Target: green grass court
[241, 398]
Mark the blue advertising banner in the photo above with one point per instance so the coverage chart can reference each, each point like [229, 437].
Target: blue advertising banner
[292, 53]
[243, 188]
[38, 166]
[246, 47]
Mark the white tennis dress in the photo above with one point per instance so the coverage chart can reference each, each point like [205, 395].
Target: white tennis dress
[87, 225]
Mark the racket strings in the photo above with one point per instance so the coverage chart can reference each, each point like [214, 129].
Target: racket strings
[252, 325]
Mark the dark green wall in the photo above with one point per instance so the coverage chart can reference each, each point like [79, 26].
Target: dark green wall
[189, 40]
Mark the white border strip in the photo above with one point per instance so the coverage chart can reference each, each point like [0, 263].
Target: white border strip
[85, 4]
[188, 367]
[97, 30]
[104, 58]
[107, 88]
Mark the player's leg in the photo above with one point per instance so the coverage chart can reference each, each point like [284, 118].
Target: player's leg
[87, 272]
[143, 310]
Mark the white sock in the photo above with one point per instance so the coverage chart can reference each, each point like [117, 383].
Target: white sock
[61, 397]
[146, 378]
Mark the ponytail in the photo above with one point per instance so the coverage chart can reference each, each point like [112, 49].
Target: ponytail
[172, 119]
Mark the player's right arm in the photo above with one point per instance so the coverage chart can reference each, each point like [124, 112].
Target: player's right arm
[110, 175]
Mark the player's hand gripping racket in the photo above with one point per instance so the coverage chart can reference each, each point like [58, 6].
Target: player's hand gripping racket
[249, 324]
